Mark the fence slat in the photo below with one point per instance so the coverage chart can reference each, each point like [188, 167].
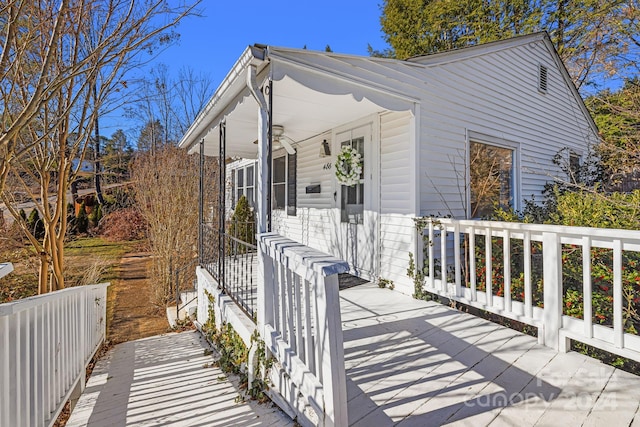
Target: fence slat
[444, 287]
[432, 258]
[528, 292]
[618, 324]
[506, 250]
[586, 287]
[488, 267]
[472, 264]
[456, 256]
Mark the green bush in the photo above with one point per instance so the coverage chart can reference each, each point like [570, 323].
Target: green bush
[95, 216]
[82, 221]
[35, 224]
[583, 208]
[243, 223]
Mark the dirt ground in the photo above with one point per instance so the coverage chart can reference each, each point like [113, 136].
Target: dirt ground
[131, 314]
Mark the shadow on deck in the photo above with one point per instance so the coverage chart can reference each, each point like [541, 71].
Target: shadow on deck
[167, 380]
[408, 363]
[417, 363]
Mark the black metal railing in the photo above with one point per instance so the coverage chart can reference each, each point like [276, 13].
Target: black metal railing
[232, 260]
[210, 250]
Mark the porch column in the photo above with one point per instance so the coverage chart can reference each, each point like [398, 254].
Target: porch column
[265, 268]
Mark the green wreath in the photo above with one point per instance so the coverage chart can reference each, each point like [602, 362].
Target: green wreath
[348, 166]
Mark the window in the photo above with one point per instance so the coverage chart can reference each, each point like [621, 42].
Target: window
[243, 181]
[574, 167]
[279, 191]
[491, 174]
[283, 190]
[352, 199]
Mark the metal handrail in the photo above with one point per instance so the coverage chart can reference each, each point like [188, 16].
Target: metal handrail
[178, 272]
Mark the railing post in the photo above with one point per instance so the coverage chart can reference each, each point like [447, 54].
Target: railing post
[331, 341]
[552, 261]
[265, 286]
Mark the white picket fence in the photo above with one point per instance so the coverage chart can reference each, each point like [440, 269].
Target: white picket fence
[446, 258]
[299, 313]
[46, 342]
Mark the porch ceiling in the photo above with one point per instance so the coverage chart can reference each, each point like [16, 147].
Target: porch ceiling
[302, 111]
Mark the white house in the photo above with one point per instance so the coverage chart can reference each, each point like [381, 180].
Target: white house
[420, 125]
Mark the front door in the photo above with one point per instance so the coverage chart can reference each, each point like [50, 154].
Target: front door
[357, 216]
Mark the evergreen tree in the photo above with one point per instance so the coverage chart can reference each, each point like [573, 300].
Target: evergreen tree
[243, 222]
[597, 40]
[82, 221]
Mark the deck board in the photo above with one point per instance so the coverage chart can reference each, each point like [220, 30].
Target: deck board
[166, 380]
[418, 363]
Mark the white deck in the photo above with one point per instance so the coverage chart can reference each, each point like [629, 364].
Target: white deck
[409, 363]
[163, 380]
[416, 363]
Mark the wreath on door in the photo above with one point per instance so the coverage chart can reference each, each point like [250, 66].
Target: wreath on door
[348, 166]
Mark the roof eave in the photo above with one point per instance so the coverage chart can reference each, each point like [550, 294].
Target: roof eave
[252, 55]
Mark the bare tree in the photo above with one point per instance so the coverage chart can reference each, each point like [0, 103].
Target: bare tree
[61, 61]
[169, 104]
[166, 189]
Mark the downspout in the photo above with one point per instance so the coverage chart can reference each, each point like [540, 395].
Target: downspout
[264, 152]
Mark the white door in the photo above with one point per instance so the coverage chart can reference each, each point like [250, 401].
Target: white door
[356, 205]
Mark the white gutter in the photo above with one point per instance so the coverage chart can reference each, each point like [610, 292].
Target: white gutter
[199, 127]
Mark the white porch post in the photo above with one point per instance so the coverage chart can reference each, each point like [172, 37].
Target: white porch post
[265, 269]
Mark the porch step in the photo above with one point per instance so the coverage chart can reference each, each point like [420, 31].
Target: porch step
[188, 304]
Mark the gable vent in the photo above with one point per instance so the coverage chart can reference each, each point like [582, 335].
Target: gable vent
[542, 78]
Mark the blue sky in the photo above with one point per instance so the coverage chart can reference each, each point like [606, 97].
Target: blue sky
[212, 43]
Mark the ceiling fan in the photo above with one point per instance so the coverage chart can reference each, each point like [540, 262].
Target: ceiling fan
[278, 137]
[280, 140]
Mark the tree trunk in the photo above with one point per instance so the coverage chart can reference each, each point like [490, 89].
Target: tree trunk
[43, 273]
[96, 150]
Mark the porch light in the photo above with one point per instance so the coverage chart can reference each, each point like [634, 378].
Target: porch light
[325, 150]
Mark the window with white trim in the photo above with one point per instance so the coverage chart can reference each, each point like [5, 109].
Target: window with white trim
[491, 178]
[243, 181]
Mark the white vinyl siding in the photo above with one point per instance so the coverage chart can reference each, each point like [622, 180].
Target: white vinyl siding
[495, 94]
[395, 224]
[313, 223]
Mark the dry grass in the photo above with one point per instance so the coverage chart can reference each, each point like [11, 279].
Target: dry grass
[88, 260]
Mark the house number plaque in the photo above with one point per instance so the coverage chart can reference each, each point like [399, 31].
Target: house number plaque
[326, 166]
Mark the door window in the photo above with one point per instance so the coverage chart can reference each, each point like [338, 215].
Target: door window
[352, 197]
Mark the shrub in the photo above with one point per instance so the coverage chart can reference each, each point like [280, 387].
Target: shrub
[243, 223]
[82, 221]
[119, 198]
[123, 225]
[35, 224]
[95, 216]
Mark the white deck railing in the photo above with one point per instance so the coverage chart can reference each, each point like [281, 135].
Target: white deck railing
[46, 342]
[302, 326]
[536, 259]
